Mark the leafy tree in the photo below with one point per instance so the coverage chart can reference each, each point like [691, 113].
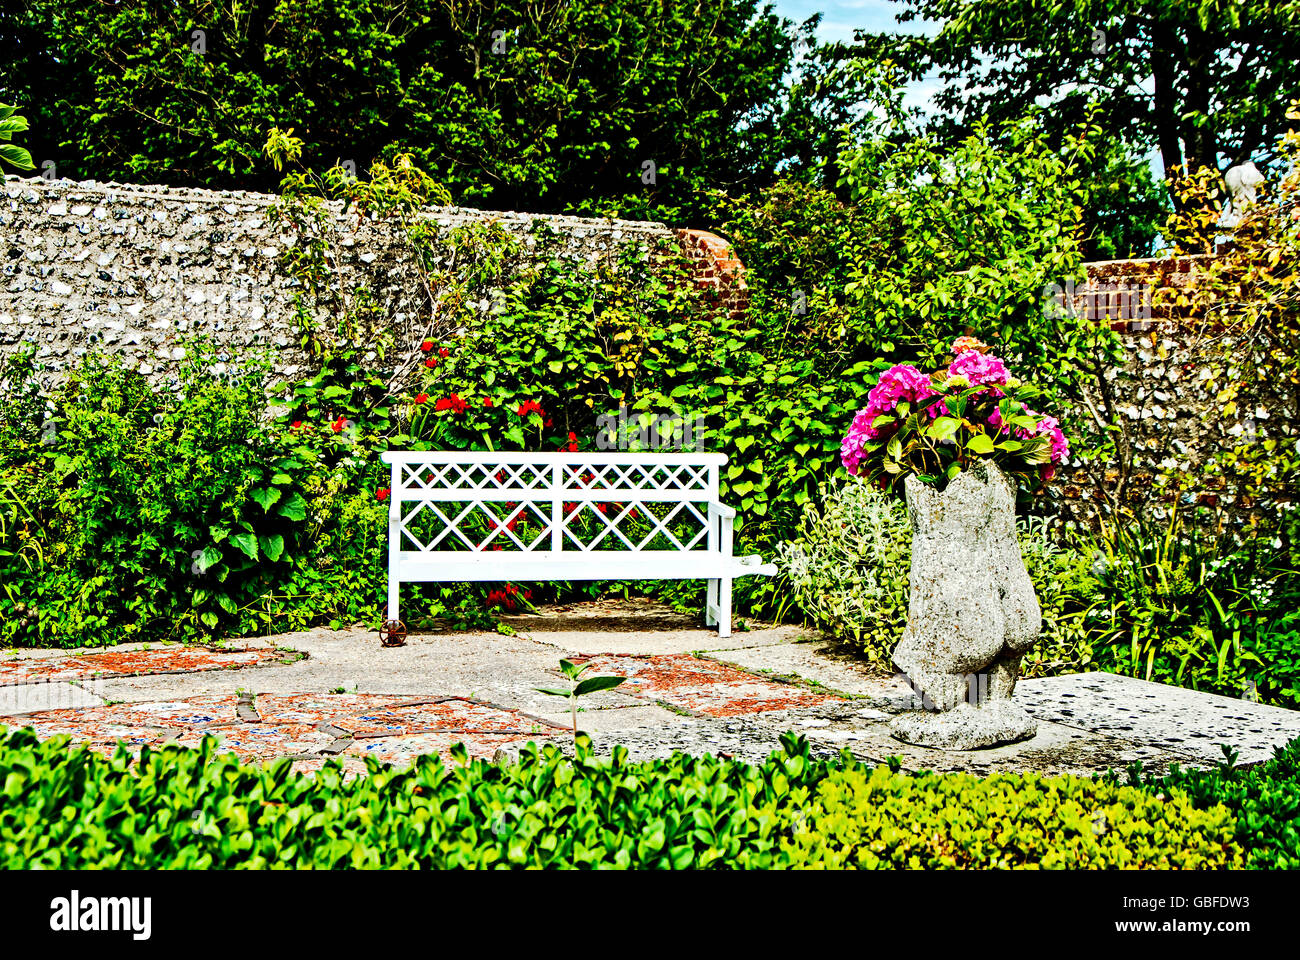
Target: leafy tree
[558, 105]
[1194, 80]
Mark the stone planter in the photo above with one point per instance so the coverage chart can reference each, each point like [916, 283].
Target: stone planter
[971, 617]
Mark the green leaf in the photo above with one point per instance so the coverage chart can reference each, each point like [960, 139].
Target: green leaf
[16, 156]
[247, 542]
[592, 684]
[943, 428]
[209, 558]
[272, 546]
[267, 498]
[295, 507]
[981, 444]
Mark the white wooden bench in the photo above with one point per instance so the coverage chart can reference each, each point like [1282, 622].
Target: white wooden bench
[470, 516]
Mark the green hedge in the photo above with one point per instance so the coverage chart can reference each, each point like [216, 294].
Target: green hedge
[64, 806]
[1265, 799]
[882, 819]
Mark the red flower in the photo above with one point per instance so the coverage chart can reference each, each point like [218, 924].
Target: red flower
[444, 352]
[487, 401]
[337, 425]
[426, 346]
[421, 397]
[603, 507]
[529, 406]
[296, 425]
[454, 403]
[549, 422]
[381, 493]
[431, 362]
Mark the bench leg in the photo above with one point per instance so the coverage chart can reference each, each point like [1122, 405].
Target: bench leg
[724, 607]
[711, 604]
[393, 585]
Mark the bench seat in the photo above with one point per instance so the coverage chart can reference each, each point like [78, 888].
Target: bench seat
[448, 511]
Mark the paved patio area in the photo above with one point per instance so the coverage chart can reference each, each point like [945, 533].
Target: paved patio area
[324, 694]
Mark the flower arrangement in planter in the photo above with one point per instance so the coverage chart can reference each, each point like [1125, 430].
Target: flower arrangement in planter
[951, 439]
[934, 426]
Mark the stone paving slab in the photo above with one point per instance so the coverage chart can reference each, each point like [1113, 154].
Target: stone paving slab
[262, 741]
[1055, 749]
[704, 687]
[401, 752]
[1186, 722]
[16, 670]
[26, 697]
[810, 663]
[614, 720]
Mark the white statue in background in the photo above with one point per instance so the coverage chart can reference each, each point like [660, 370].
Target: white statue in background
[1242, 181]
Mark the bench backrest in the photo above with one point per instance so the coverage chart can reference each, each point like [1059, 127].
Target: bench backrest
[460, 500]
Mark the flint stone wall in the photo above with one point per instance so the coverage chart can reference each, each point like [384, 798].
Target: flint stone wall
[137, 270]
[1168, 412]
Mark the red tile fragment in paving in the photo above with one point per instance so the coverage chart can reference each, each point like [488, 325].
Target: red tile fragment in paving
[394, 728]
[123, 663]
[135, 723]
[453, 714]
[321, 707]
[260, 741]
[703, 686]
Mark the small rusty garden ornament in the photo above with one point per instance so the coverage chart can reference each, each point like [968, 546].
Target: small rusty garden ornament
[950, 440]
[393, 633]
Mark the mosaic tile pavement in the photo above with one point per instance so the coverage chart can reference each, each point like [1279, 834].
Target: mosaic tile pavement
[134, 663]
[310, 728]
[701, 687]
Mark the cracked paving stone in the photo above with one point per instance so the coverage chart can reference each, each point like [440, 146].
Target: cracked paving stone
[704, 686]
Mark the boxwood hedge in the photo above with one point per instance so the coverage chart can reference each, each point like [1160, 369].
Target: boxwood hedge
[65, 806]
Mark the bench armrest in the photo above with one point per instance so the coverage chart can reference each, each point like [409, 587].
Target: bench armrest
[722, 510]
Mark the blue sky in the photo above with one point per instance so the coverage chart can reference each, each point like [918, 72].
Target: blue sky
[841, 17]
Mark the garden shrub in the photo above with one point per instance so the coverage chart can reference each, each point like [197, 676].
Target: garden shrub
[185, 510]
[847, 568]
[1264, 798]
[67, 807]
[885, 819]
[1186, 607]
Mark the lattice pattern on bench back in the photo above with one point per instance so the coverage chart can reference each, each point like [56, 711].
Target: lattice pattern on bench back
[520, 502]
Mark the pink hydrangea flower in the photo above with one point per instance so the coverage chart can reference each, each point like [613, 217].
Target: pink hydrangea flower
[902, 382]
[981, 369]
[1047, 426]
